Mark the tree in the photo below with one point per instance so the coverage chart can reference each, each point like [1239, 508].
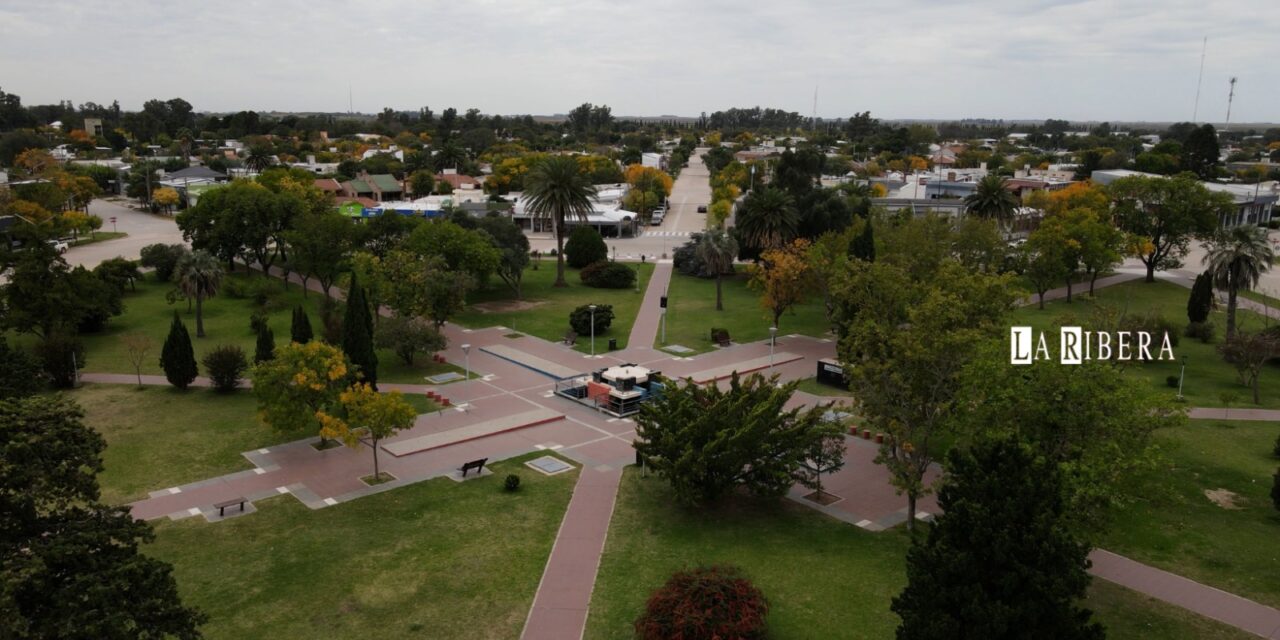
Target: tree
[165, 197]
[225, 365]
[422, 183]
[20, 374]
[555, 189]
[783, 278]
[44, 295]
[1164, 214]
[199, 276]
[824, 457]
[300, 327]
[905, 341]
[72, 567]
[1249, 353]
[1200, 302]
[302, 380]
[1236, 259]
[177, 358]
[998, 562]
[265, 348]
[863, 246]
[367, 414]
[118, 272]
[717, 250]
[461, 249]
[136, 346]
[582, 319]
[407, 337]
[707, 442]
[585, 246]
[768, 219]
[320, 245]
[513, 248]
[992, 200]
[163, 258]
[1200, 152]
[1044, 264]
[357, 335]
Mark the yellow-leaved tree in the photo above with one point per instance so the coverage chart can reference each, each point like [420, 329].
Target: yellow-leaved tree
[784, 278]
[365, 413]
[301, 382]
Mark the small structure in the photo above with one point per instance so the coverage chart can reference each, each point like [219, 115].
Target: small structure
[831, 372]
[618, 390]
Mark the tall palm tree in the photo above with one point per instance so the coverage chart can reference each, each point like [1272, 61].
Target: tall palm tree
[992, 200]
[259, 158]
[769, 219]
[717, 250]
[199, 275]
[556, 189]
[1237, 258]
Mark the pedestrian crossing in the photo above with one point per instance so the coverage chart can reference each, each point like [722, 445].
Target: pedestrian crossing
[665, 234]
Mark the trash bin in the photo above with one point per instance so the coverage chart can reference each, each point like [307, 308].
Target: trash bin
[613, 344]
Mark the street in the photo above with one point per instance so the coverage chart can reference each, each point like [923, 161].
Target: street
[143, 229]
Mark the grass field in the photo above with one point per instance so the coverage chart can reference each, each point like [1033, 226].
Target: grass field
[545, 309]
[437, 559]
[1175, 526]
[824, 578]
[1207, 375]
[691, 313]
[99, 236]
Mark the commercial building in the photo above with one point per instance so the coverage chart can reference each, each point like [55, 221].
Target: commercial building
[1255, 203]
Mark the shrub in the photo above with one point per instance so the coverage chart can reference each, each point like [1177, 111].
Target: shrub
[1202, 331]
[580, 319]
[177, 358]
[331, 320]
[1154, 325]
[407, 337]
[1171, 382]
[225, 366]
[61, 355]
[300, 327]
[234, 288]
[20, 374]
[584, 247]
[257, 321]
[705, 603]
[608, 275]
[1273, 223]
[512, 482]
[686, 260]
[163, 258]
[265, 348]
[719, 335]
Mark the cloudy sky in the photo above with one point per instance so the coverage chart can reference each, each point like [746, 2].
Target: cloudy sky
[1090, 59]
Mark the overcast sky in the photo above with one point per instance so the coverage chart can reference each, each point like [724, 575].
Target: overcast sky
[1094, 59]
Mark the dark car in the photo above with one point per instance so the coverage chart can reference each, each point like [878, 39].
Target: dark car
[702, 208]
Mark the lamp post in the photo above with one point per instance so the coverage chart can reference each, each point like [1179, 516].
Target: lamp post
[466, 358]
[1182, 376]
[773, 335]
[592, 307]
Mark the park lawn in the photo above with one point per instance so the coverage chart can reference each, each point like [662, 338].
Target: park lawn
[811, 385]
[1174, 525]
[98, 236]
[823, 578]
[226, 321]
[691, 313]
[1208, 377]
[1262, 297]
[436, 559]
[548, 317]
[160, 437]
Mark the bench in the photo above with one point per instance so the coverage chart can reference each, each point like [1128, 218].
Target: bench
[477, 465]
[571, 337]
[720, 337]
[222, 506]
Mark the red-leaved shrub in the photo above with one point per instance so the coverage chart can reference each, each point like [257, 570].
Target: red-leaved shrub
[715, 602]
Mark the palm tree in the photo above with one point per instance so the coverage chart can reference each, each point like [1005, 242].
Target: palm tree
[199, 275]
[992, 200]
[259, 158]
[717, 250]
[1237, 258]
[556, 189]
[768, 219]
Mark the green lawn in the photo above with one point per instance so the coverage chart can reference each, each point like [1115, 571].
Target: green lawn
[1207, 376]
[824, 578]
[437, 559]
[811, 385]
[226, 321]
[1176, 527]
[691, 313]
[1263, 297]
[548, 317]
[100, 236]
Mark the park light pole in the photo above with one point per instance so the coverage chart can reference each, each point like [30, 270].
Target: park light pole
[1182, 376]
[773, 335]
[593, 329]
[466, 358]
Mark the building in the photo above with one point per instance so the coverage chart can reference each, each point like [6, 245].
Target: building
[459, 181]
[655, 160]
[379, 187]
[1255, 203]
[93, 126]
[329, 186]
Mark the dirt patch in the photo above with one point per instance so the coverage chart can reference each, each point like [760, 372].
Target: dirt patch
[507, 306]
[1223, 498]
[824, 498]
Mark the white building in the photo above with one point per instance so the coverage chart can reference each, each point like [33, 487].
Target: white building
[1254, 202]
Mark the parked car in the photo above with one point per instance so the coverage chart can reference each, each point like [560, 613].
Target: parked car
[656, 217]
[702, 208]
[59, 245]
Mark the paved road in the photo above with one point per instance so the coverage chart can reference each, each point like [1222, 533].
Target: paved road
[143, 229]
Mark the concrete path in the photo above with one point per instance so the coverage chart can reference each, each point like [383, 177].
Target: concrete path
[1260, 620]
[1203, 413]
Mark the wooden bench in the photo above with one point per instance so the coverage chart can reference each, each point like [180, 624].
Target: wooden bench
[477, 465]
[222, 506]
[571, 337]
[721, 338]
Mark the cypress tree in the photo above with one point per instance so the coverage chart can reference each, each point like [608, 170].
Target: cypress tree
[1200, 303]
[1000, 562]
[300, 330]
[357, 334]
[266, 347]
[177, 358]
[863, 247]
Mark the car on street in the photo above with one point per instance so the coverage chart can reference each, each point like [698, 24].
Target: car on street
[59, 245]
[702, 208]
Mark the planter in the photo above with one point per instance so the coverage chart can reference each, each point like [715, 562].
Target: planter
[879, 438]
[866, 434]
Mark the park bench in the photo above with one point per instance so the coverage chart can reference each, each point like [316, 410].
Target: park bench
[571, 337]
[477, 465]
[222, 506]
[720, 337]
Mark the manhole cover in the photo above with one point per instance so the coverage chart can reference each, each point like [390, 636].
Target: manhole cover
[677, 348]
[549, 465]
[441, 378]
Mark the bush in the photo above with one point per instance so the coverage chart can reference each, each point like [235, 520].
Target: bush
[20, 374]
[608, 275]
[1273, 223]
[1154, 325]
[584, 247]
[265, 348]
[719, 335]
[408, 337]
[705, 603]
[580, 319]
[163, 258]
[512, 482]
[685, 259]
[225, 365]
[1202, 331]
[257, 321]
[1171, 382]
[331, 320]
[61, 356]
[177, 358]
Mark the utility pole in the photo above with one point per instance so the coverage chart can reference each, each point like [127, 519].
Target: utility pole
[1204, 48]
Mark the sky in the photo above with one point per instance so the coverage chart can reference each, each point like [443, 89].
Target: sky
[1117, 60]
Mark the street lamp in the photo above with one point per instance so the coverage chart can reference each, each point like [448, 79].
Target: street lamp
[592, 307]
[466, 358]
[773, 336]
[1181, 376]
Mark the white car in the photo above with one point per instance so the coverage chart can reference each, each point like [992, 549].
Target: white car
[59, 245]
